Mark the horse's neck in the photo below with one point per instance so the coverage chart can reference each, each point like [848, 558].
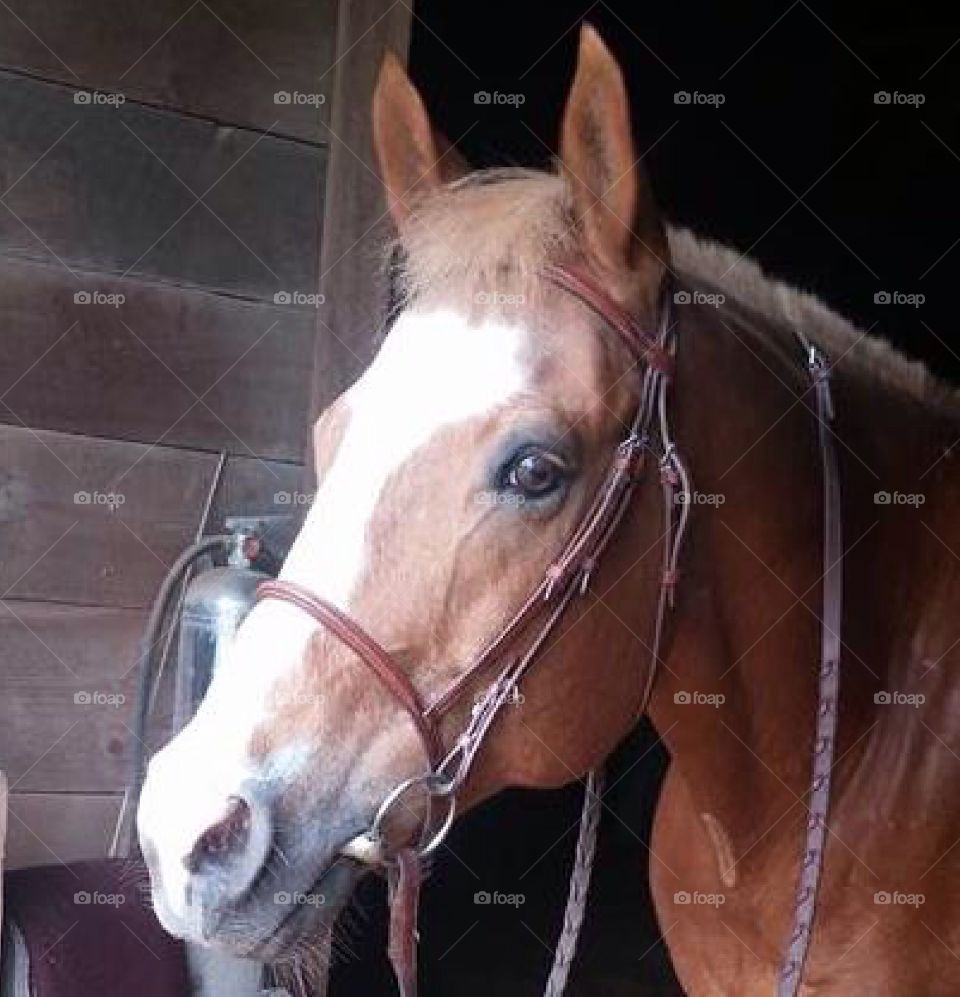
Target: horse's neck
[753, 549]
[747, 627]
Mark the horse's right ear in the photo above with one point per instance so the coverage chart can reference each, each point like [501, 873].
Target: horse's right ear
[612, 199]
[414, 158]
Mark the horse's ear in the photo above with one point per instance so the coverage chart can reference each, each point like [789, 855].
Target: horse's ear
[611, 195]
[414, 158]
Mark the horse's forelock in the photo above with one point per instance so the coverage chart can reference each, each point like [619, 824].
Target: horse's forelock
[481, 242]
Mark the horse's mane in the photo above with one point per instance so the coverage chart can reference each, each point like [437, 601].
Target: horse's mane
[742, 279]
[491, 232]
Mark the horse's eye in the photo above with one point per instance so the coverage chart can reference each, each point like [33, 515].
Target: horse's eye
[535, 474]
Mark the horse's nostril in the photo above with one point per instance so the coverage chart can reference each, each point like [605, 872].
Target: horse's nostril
[228, 836]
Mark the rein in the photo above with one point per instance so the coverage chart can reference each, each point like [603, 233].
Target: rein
[828, 689]
[567, 577]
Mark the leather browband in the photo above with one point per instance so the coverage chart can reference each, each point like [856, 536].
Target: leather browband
[643, 347]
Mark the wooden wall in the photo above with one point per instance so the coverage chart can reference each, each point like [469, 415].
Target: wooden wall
[161, 213]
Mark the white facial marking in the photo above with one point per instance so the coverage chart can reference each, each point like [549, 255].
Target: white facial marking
[433, 371]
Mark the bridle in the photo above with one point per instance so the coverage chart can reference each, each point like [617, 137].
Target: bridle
[518, 645]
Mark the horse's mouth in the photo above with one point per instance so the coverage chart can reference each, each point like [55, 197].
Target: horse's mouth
[312, 912]
[286, 910]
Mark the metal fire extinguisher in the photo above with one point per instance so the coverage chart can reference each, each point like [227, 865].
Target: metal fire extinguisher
[214, 605]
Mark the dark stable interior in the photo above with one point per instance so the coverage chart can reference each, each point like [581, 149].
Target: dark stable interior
[833, 190]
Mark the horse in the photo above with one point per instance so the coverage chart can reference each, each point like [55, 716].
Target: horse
[541, 312]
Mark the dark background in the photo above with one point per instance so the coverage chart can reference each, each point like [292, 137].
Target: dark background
[877, 182]
[829, 190]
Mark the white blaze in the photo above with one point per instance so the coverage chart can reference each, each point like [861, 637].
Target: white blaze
[432, 372]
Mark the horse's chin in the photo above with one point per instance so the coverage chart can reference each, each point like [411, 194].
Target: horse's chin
[269, 924]
[307, 924]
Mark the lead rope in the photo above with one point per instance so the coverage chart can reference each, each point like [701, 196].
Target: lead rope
[403, 889]
[577, 894]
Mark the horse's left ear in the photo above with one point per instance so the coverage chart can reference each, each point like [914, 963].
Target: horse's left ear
[612, 198]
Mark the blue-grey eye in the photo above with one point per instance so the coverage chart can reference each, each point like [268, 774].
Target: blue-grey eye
[535, 473]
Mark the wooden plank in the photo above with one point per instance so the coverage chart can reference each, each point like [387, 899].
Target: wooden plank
[95, 522]
[135, 370]
[355, 223]
[69, 676]
[224, 61]
[51, 828]
[99, 522]
[260, 488]
[105, 188]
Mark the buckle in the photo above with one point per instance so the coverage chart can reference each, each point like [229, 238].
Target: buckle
[820, 370]
[817, 362]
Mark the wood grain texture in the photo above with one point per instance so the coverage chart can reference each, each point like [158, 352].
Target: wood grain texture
[167, 365]
[51, 828]
[355, 224]
[68, 680]
[95, 522]
[114, 189]
[224, 60]
[99, 522]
